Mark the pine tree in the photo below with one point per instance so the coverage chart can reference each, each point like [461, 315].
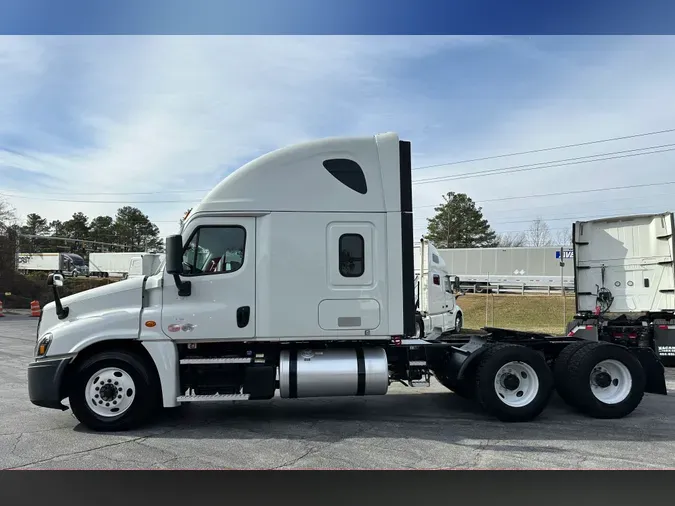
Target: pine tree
[460, 224]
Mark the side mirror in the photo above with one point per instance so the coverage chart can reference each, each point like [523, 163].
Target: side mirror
[55, 280]
[174, 264]
[174, 254]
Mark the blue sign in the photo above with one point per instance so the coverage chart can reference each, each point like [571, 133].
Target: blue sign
[566, 254]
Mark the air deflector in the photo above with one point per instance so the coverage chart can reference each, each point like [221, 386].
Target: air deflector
[348, 172]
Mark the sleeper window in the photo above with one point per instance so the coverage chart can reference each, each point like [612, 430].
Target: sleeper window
[352, 251]
[214, 250]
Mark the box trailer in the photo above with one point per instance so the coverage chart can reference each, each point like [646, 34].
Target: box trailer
[306, 292]
[531, 267]
[111, 264]
[625, 281]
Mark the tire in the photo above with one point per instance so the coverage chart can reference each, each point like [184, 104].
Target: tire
[560, 371]
[139, 401]
[458, 323]
[419, 328]
[531, 377]
[463, 387]
[626, 376]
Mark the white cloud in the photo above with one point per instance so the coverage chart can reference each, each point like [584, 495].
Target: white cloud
[145, 114]
[176, 112]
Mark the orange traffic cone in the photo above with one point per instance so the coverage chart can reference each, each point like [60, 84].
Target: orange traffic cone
[1, 313]
[35, 308]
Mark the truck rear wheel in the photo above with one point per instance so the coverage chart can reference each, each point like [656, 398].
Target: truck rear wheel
[560, 371]
[513, 383]
[606, 380]
[461, 387]
[113, 391]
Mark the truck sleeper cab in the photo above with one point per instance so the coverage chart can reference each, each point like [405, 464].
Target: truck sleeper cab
[273, 289]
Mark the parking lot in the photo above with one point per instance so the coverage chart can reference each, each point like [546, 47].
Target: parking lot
[424, 428]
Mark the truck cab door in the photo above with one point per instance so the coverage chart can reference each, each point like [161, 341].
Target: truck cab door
[449, 315]
[219, 261]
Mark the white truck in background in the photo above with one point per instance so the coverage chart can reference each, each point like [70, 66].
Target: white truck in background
[305, 292]
[67, 264]
[114, 265]
[435, 293]
[146, 264]
[625, 281]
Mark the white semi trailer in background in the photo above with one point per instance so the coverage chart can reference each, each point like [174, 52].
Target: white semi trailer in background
[115, 265]
[534, 268]
[317, 299]
[67, 264]
[625, 281]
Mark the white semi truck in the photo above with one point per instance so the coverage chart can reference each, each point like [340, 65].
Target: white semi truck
[435, 294]
[295, 276]
[67, 264]
[625, 281]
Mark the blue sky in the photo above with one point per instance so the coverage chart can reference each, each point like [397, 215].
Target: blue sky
[84, 117]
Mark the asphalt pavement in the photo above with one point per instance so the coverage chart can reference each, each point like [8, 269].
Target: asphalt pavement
[421, 428]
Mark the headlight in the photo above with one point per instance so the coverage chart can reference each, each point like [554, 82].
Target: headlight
[43, 345]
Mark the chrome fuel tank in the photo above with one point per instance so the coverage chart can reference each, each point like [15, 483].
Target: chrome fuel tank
[336, 372]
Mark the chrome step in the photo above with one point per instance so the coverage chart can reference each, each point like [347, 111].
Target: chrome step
[208, 361]
[212, 398]
[417, 363]
[419, 383]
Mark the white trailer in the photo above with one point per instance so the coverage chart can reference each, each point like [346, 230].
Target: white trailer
[625, 281]
[145, 264]
[435, 294]
[68, 264]
[528, 267]
[114, 265]
[295, 277]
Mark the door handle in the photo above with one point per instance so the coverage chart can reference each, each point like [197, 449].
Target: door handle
[243, 315]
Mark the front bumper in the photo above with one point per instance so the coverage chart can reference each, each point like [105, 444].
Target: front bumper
[45, 378]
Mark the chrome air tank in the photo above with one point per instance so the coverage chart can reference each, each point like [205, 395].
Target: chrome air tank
[333, 372]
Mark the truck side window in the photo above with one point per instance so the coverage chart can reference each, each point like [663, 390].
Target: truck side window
[437, 280]
[215, 250]
[352, 252]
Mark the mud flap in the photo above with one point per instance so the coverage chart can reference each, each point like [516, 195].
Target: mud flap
[654, 371]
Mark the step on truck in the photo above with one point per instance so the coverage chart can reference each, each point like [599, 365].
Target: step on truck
[625, 282]
[295, 277]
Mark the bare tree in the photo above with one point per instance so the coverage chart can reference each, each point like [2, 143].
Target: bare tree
[539, 234]
[512, 240]
[563, 237]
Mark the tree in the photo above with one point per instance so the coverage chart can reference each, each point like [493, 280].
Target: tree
[101, 229]
[539, 234]
[564, 237]
[8, 236]
[135, 230]
[77, 227]
[513, 240]
[35, 225]
[460, 224]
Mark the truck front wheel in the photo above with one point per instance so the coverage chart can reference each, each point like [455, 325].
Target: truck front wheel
[513, 383]
[113, 391]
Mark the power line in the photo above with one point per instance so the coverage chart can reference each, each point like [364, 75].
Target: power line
[468, 175]
[558, 194]
[566, 146]
[546, 165]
